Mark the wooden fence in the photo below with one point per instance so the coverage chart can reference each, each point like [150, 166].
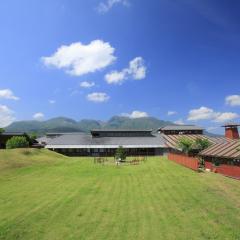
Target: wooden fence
[182, 159]
[192, 163]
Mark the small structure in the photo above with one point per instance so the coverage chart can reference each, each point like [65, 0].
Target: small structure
[181, 129]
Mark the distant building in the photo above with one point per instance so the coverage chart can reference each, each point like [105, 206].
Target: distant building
[105, 142]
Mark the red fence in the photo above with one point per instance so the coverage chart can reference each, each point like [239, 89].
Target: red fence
[192, 163]
[227, 170]
[184, 160]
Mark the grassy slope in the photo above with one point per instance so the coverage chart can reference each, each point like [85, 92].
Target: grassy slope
[46, 196]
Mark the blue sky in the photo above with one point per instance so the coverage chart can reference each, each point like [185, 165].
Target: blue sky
[176, 60]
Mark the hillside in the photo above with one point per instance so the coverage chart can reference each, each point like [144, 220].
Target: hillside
[63, 124]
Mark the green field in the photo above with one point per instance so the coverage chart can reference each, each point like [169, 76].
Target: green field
[44, 195]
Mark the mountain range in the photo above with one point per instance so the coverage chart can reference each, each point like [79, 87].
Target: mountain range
[63, 124]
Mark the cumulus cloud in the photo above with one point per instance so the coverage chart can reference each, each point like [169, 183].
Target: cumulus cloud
[104, 7]
[225, 117]
[8, 94]
[204, 113]
[136, 70]
[6, 116]
[98, 97]
[86, 84]
[233, 100]
[136, 114]
[78, 59]
[170, 113]
[116, 77]
[179, 122]
[38, 116]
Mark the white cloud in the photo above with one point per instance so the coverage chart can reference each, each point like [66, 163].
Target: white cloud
[179, 122]
[136, 70]
[86, 84]
[98, 97]
[52, 101]
[233, 100]
[136, 114]
[226, 116]
[38, 116]
[6, 116]
[104, 7]
[115, 77]
[8, 94]
[78, 59]
[204, 113]
[170, 113]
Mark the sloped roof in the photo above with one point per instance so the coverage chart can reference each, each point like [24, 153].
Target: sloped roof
[172, 140]
[121, 130]
[229, 150]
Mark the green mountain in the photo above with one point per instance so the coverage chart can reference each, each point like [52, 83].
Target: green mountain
[136, 123]
[62, 124]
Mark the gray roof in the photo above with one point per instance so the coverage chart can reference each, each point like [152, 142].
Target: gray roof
[82, 140]
[181, 127]
[121, 130]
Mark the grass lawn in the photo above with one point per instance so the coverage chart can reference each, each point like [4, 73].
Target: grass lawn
[44, 195]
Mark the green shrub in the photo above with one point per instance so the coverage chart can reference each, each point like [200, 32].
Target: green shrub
[201, 144]
[17, 142]
[120, 153]
[189, 146]
[185, 144]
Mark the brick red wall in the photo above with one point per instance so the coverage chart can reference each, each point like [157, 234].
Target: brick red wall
[232, 133]
[227, 170]
[189, 162]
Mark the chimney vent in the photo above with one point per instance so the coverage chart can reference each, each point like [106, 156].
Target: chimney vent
[231, 130]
